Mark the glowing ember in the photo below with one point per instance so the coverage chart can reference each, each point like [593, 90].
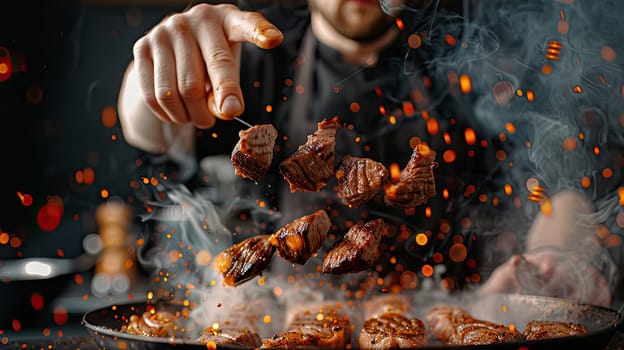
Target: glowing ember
[553, 51]
[545, 206]
[421, 239]
[465, 84]
[470, 136]
[26, 199]
[537, 193]
[399, 23]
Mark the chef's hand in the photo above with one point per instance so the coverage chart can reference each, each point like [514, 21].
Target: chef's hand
[550, 272]
[187, 66]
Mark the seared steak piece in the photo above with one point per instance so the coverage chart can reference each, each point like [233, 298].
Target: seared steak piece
[231, 336]
[253, 153]
[536, 330]
[455, 326]
[389, 325]
[392, 331]
[312, 165]
[357, 250]
[245, 260]
[416, 183]
[314, 328]
[298, 240]
[359, 179]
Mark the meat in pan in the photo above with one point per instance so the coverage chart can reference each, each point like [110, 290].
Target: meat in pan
[253, 153]
[357, 250]
[537, 330]
[453, 325]
[359, 179]
[416, 183]
[390, 325]
[245, 260]
[230, 336]
[298, 240]
[322, 327]
[311, 166]
[160, 323]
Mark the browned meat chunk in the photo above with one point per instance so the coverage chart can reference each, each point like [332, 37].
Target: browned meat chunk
[312, 165]
[455, 326]
[357, 250]
[389, 324]
[416, 183]
[230, 336]
[392, 331]
[536, 330]
[253, 154]
[153, 324]
[298, 240]
[245, 260]
[323, 327]
[359, 179]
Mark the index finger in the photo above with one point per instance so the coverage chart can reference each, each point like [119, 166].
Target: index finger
[252, 27]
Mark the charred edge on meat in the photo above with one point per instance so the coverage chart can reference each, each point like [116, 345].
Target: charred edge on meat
[312, 165]
[298, 240]
[357, 250]
[416, 182]
[253, 153]
[245, 260]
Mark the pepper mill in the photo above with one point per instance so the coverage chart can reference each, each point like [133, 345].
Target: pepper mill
[115, 269]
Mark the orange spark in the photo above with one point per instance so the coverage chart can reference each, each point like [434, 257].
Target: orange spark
[399, 23]
[553, 51]
[450, 40]
[395, 171]
[577, 89]
[408, 108]
[26, 199]
[465, 84]
[432, 126]
[470, 136]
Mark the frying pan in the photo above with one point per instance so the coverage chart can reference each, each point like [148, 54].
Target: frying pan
[516, 309]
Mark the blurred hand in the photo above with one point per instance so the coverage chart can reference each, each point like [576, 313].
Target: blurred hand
[188, 65]
[552, 273]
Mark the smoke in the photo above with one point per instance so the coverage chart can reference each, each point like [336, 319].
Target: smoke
[544, 79]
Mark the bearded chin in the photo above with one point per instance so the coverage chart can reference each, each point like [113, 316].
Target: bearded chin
[370, 35]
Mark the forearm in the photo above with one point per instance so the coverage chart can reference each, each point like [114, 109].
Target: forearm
[142, 129]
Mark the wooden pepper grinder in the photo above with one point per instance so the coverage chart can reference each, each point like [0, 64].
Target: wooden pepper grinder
[115, 269]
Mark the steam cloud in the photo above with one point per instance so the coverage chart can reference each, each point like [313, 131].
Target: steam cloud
[554, 70]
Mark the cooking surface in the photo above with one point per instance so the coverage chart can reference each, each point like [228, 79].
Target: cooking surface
[74, 336]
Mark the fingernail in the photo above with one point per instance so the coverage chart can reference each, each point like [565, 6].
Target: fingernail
[231, 106]
[271, 33]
